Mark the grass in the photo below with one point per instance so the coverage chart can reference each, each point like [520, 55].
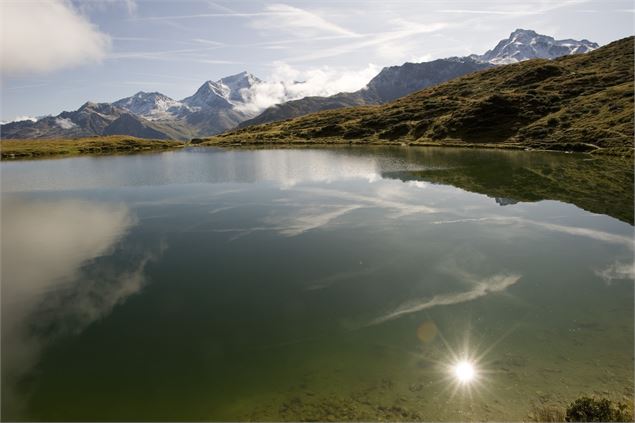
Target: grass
[575, 103]
[26, 149]
[584, 409]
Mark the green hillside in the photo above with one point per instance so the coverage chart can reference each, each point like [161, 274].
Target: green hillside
[580, 103]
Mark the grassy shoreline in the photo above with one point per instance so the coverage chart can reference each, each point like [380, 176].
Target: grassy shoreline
[220, 141]
[33, 149]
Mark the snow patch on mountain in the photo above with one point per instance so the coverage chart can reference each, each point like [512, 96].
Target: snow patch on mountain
[152, 106]
[525, 44]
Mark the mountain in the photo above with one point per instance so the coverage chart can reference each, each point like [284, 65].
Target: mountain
[90, 119]
[225, 93]
[391, 83]
[127, 124]
[215, 107]
[397, 81]
[151, 106]
[224, 104]
[580, 102]
[525, 44]
[237, 83]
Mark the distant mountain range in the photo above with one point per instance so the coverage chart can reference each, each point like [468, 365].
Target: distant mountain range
[221, 105]
[213, 108]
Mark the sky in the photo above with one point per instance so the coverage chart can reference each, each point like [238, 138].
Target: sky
[58, 54]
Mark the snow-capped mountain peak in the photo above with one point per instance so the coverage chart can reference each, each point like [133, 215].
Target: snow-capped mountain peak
[210, 95]
[525, 44]
[151, 106]
[237, 83]
[227, 92]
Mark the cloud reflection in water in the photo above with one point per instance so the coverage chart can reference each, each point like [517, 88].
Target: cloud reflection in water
[53, 281]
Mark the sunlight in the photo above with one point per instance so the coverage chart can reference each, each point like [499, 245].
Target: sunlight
[464, 372]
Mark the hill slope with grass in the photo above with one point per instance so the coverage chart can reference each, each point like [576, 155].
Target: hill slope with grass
[581, 102]
[114, 144]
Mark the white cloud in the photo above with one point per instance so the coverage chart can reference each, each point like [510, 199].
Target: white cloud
[131, 6]
[65, 123]
[480, 288]
[297, 20]
[42, 249]
[21, 119]
[47, 35]
[617, 271]
[323, 81]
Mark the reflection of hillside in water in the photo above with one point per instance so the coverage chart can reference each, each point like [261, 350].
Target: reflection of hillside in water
[596, 184]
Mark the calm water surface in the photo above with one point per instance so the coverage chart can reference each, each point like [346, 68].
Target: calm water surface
[314, 284]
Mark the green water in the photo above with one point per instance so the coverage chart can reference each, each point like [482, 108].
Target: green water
[314, 284]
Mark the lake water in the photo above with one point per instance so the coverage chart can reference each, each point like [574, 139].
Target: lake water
[314, 284]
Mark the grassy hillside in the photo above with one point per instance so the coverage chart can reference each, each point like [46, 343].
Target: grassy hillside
[580, 103]
[306, 105]
[20, 149]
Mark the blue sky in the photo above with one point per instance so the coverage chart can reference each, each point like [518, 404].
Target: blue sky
[57, 54]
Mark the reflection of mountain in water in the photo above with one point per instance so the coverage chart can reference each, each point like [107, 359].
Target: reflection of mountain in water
[502, 201]
[596, 184]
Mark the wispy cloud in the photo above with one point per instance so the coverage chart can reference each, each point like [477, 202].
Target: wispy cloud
[386, 42]
[514, 9]
[89, 7]
[480, 288]
[311, 218]
[479, 12]
[388, 200]
[617, 271]
[290, 18]
[204, 16]
[197, 55]
[594, 234]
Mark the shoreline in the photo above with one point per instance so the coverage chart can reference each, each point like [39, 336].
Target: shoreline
[578, 148]
[30, 149]
[15, 149]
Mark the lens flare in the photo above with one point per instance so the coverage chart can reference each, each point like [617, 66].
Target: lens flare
[464, 372]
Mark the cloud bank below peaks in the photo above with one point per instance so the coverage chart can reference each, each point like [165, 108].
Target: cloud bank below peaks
[287, 83]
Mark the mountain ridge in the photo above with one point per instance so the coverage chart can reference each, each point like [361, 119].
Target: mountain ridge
[396, 81]
[576, 102]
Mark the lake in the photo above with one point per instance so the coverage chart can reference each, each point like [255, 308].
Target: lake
[315, 284]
